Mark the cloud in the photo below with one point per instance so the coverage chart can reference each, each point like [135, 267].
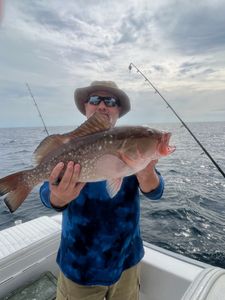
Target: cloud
[56, 47]
[135, 26]
[193, 27]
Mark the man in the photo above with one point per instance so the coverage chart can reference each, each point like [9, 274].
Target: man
[100, 246]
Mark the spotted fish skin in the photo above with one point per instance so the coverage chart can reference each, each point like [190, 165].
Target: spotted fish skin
[104, 153]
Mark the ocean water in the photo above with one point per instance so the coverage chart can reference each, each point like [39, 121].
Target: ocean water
[190, 217]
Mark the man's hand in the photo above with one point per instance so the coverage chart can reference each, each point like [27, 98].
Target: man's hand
[68, 188]
[148, 178]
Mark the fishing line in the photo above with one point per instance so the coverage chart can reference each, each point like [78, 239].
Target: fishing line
[182, 122]
[35, 103]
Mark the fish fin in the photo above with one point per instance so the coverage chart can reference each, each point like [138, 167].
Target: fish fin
[113, 186]
[109, 165]
[96, 123]
[16, 188]
[48, 145]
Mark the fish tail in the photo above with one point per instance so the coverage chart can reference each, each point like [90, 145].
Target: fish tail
[17, 188]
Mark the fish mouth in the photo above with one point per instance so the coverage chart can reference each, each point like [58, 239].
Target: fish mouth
[164, 147]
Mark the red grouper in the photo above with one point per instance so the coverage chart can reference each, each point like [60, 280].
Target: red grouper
[104, 153]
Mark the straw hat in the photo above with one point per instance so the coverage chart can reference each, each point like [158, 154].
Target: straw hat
[82, 94]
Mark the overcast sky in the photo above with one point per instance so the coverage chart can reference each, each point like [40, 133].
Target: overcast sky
[57, 46]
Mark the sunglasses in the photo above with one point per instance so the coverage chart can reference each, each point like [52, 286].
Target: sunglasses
[108, 101]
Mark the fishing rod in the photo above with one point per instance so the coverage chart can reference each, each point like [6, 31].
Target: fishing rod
[28, 87]
[182, 122]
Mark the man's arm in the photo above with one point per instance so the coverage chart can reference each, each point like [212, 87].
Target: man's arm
[150, 181]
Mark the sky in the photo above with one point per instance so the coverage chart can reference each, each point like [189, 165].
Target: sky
[57, 46]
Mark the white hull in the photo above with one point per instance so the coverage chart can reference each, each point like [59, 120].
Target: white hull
[29, 249]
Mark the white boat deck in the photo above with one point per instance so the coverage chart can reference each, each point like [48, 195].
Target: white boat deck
[19, 237]
[29, 250]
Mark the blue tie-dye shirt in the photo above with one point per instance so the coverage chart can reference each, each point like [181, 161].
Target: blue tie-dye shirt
[101, 236]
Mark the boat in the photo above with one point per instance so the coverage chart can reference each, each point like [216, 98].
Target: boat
[28, 268]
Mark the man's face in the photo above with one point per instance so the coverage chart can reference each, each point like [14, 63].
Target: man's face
[111, 112]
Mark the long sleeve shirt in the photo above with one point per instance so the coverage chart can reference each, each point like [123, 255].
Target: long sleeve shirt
[101, 236]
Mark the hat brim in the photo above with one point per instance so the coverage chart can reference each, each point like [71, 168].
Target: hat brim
[81, 95]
